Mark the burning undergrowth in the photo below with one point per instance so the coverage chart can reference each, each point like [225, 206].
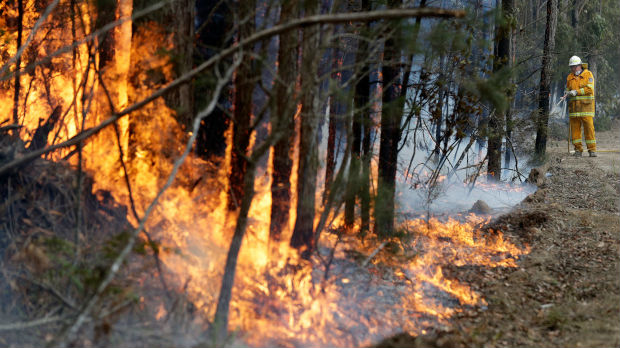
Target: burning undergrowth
[352, 292]
[58, 236]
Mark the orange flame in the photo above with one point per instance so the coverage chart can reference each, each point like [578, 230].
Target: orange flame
[274, 303]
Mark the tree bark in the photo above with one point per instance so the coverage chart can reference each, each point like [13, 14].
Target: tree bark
[283, 120]
[182, 17]
[331, 133]
[223, 303]
[509, 122]
[106, 13]
[122, 62]
[353, 183]
[214, 18]
[545, 78]
[18, 62]
[245, 80]
[363, 116]
[390, 136]
[353, 189]
[303, 233]
[497, 120]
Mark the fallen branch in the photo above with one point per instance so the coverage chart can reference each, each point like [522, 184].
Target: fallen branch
[29, 324]
[374, 253]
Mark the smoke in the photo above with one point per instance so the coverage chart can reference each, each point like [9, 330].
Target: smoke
[455, 190]
[455, 196]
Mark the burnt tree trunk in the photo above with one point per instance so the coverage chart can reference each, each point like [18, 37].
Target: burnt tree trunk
[303, 233]
[545, 78]
[283, 121]
[245, 79]
[390, 136]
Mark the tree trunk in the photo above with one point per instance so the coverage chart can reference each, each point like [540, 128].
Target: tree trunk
[575, 14]
[283, 120]
[545, 77]
[245, 80]
[106, 13]
[182, 17]
[122, 63]
[390, 136]
[114, 51]
[496, 121]
[331, 131]
[214, 17]
[18, 62]
[353, 182]
[353, 188]
[509, 123]
[303, 233]
[223, 303]
[362, 98]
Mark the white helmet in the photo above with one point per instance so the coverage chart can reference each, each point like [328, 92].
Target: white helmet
[574, 60]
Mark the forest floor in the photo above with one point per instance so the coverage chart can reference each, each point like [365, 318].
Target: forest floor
[566, 291]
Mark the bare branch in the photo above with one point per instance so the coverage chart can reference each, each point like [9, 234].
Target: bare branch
[29, 324]
[374, 253]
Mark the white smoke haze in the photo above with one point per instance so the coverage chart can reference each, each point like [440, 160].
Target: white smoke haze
[456, 189]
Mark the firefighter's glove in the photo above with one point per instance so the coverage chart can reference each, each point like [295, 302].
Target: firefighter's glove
[573, 92]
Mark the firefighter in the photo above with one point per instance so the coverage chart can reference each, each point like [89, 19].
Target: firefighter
[580, 94]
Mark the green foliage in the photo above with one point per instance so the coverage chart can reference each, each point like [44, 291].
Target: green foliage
[493, 90]
[113, 246]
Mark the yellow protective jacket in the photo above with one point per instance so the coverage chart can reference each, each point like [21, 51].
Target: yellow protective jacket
[582, 104]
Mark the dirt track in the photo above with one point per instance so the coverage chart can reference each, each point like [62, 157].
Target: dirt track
[566, 292]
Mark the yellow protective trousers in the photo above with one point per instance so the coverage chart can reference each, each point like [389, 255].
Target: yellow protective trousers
[588, 129]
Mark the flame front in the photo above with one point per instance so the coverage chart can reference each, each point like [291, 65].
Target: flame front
[278, 299]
